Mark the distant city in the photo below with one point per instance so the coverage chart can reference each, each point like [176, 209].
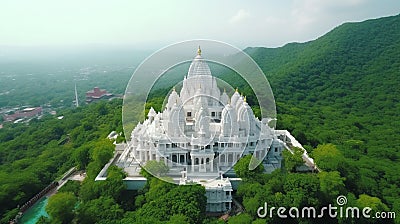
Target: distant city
[26, 113]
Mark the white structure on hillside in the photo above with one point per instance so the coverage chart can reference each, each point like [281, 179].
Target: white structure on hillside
[202, 131]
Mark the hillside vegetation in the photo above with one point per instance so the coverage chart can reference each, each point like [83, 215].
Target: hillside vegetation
[343, 88]
[34, 155]
[347, 80]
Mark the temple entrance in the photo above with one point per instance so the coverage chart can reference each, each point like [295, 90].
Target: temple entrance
[174, 159]
[182, 159]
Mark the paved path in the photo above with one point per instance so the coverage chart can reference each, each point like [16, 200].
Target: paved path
[76, 175]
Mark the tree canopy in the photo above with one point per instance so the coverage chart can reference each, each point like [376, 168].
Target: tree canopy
[61, 207]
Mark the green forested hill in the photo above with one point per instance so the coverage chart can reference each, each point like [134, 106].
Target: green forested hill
[352, 57]
[351, 76]
[344, 88]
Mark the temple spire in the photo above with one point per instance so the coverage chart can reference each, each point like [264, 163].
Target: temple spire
[199, 51]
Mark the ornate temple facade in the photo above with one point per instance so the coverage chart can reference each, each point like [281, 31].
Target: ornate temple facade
[202, 132]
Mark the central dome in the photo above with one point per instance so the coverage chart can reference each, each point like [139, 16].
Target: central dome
[198, 66]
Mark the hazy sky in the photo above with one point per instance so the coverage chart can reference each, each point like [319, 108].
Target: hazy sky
[157, 23]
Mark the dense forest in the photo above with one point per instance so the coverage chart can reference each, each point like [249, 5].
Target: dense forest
[338, 95]
[343, 89]
[34, 155]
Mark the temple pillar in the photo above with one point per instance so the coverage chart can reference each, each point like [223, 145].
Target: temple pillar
[212, 164]
[193, 160]
[202, 165]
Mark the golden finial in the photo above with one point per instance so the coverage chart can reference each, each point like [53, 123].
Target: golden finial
[244, 99]
[173, 89]
[199, 51]
[224, 90]
[237, 89]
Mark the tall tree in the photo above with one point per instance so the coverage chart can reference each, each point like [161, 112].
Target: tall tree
[242, 168]
[100, 209]
[61, 207]
[328, 157]
[292, 160]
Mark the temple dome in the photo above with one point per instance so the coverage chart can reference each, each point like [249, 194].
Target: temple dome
[235, 98]
[173, 98]
[239, 103]
[152, 112]
[198, 66]
[224, 98]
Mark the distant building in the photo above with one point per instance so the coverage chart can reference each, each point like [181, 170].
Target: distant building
[25, 113]
[97, 94]
[218, 192]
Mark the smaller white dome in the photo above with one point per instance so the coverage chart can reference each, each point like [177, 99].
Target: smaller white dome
[224, 98]
[173, 99]
[239, 103]
[235, 97]
[152, 112]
